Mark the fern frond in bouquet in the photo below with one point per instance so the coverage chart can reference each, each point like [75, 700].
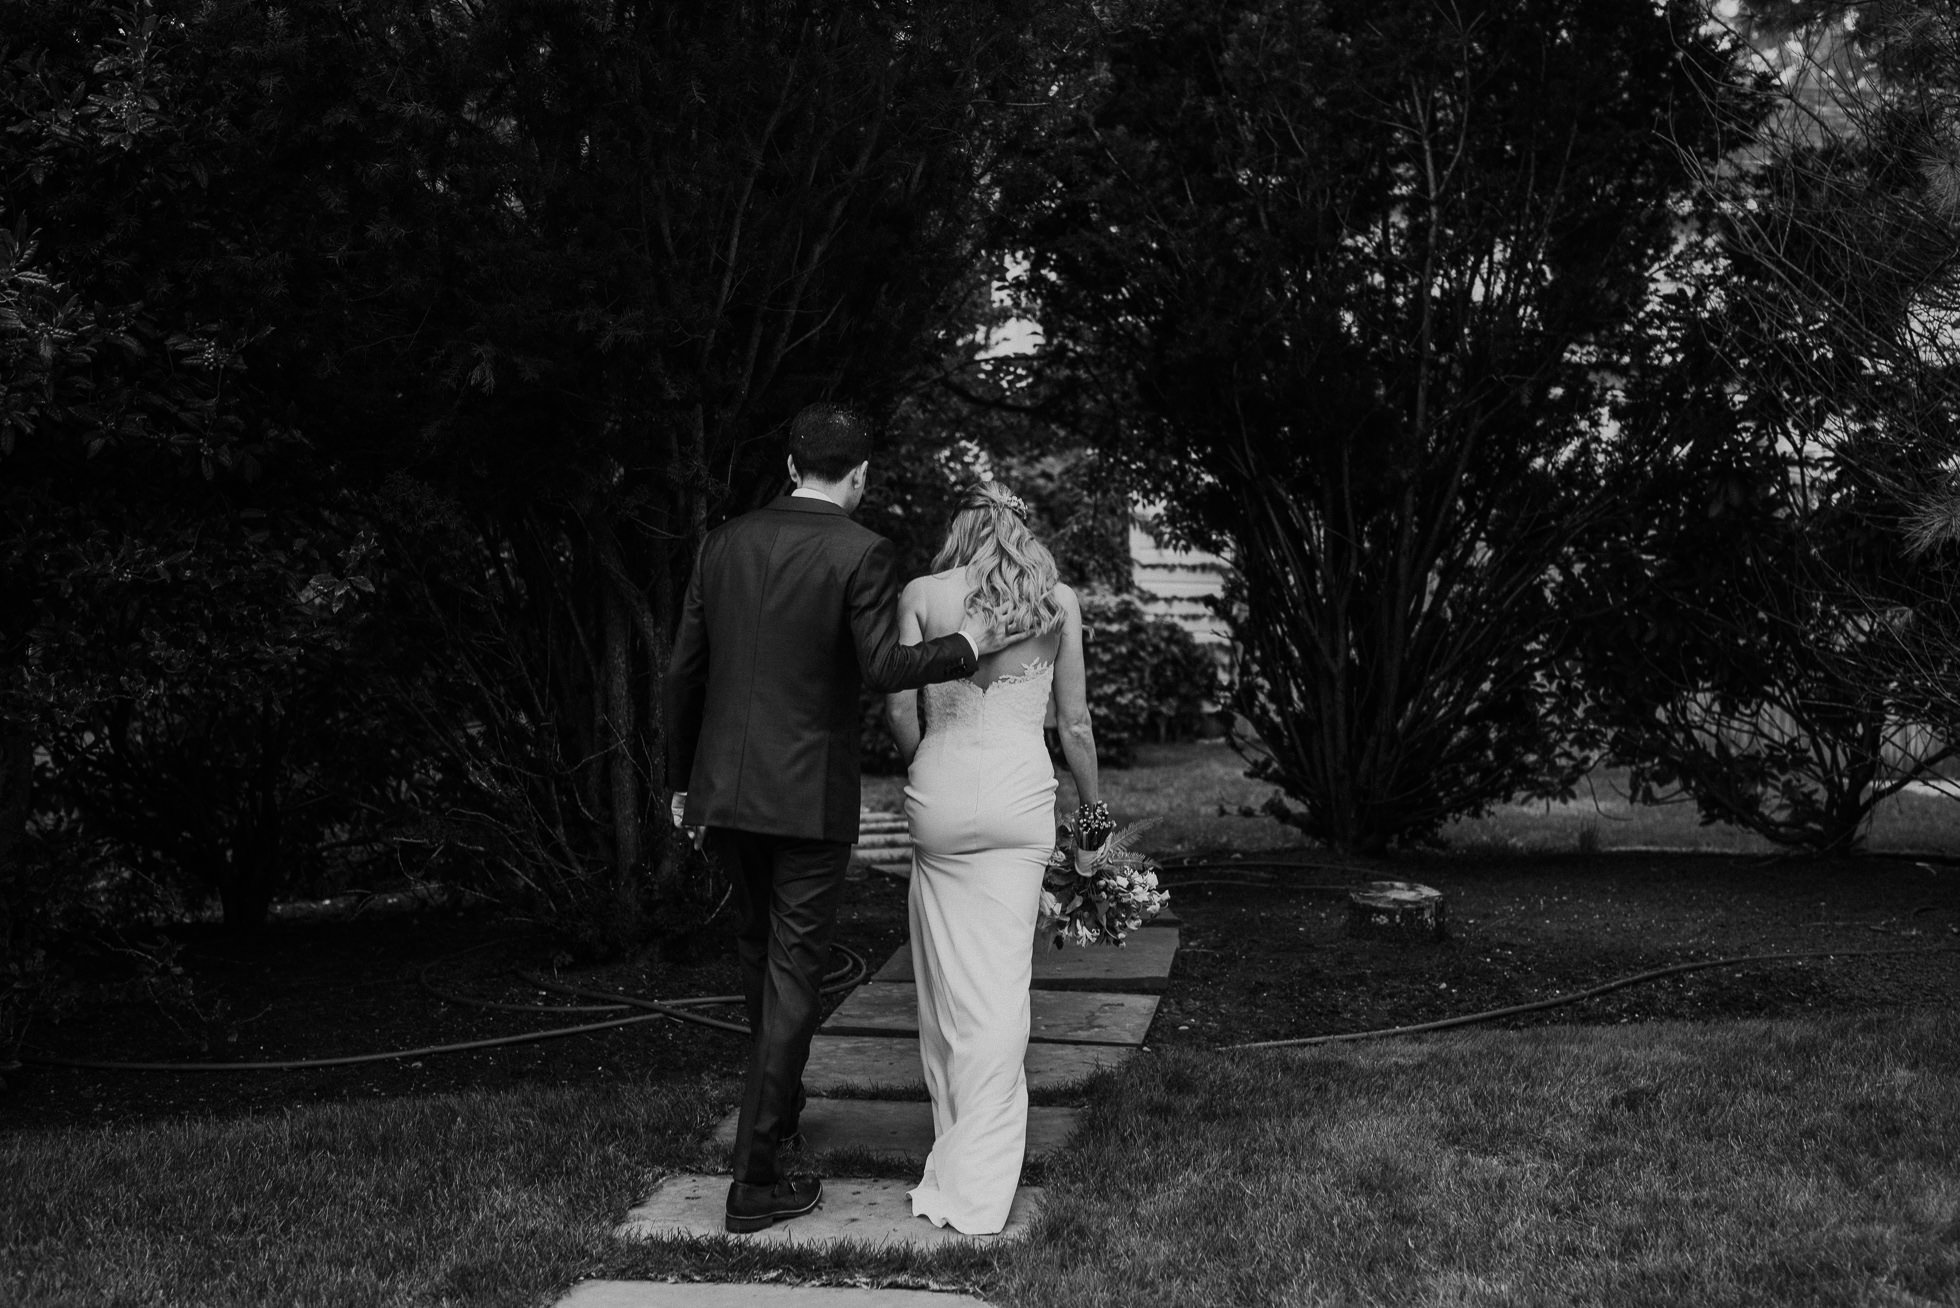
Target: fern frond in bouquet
[1101, 904]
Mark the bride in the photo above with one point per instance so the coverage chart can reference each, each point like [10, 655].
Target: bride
[980, 798]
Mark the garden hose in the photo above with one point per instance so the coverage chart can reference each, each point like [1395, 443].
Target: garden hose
[669, 1010]
[841, 979]
[1490, 1015]
[854, 970]
[285, 1065]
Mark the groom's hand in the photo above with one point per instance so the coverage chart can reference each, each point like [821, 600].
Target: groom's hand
[677, 809]
[987, 638]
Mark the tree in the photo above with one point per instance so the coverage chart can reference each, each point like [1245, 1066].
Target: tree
[1853, 215]
[1736, 631]
[535, 285]
[699, 218]
[1764, 637]
[540, 282]
[176, 606]
[1355, 269]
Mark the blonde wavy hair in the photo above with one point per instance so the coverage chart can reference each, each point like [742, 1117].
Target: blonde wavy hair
[1014, 574]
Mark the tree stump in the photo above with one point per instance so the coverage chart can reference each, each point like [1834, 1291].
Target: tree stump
[1395, 910]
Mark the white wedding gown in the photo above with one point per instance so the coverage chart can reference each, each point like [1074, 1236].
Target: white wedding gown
[980, 798]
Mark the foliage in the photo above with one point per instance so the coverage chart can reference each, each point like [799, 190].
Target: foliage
[1739, 632]
[534, 284]
[1349, 270]
[1008, 415]
[141, 617]
[183, 673]
[1761, 634]
[1852, 216]
[1149, 679]
[581, 263]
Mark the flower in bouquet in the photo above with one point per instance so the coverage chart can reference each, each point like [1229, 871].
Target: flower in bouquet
[1100, 899]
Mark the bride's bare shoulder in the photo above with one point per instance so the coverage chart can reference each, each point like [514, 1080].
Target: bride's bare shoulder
[937, 583]
[933, 590]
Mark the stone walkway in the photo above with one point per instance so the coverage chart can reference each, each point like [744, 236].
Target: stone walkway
[738, 1294]
[884, 844]
[1092, 1008]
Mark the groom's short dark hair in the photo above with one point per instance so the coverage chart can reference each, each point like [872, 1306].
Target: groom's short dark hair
[827, 440]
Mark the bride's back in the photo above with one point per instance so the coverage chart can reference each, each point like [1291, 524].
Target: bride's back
[944, 611]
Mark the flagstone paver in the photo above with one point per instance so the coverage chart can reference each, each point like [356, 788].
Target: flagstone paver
[884, 843]
[1142, 963]
[892, 1063]
[896, 1128]
[690, 1205]
[1073, 1017]
[743, 1294]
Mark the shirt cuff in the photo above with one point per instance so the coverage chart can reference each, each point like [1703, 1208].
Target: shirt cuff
[974, 645]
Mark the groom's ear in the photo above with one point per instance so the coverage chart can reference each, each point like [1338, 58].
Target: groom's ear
[789, 461]
[861, 474]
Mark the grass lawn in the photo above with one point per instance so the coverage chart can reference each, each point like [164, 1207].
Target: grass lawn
[1800, 1145]
[1797, 1162]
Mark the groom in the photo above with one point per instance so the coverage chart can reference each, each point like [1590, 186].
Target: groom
[789, 611]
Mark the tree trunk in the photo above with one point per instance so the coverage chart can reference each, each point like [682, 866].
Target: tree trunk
[246, 897]
[666, 607]
[252, 863]
[1851, 805]
[16, 790]
[627, 790]
[250, 871]
[16, 793]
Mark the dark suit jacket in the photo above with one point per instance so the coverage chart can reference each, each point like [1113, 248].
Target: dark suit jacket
[790, 611]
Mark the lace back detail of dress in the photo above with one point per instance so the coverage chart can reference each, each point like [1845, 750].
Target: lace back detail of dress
[1012, 704]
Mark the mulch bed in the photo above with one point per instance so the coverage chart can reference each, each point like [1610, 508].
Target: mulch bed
[313, 988]
[1274, 962]
[1258, 962]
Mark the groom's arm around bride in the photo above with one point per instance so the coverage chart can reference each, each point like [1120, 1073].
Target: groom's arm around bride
[790, 611]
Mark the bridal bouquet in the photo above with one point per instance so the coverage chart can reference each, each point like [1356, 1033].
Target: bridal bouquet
[1111, 895]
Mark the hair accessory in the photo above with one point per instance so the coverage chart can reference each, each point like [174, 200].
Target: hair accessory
[1093, 825]
[1014, 503]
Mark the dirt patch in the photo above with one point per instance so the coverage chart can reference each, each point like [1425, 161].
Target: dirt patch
[1273, 962]
[314, 990]
[1259, 962]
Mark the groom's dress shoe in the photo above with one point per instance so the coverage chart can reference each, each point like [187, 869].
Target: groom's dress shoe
[754, 1208]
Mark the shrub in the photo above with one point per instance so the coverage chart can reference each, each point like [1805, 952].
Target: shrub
[1148, 678]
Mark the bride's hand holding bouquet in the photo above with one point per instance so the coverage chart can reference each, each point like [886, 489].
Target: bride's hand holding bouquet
[1097, 889]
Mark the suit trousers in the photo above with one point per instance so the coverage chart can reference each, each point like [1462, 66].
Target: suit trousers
[786, 892]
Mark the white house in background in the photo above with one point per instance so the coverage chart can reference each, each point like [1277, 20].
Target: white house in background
[1175, 583]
